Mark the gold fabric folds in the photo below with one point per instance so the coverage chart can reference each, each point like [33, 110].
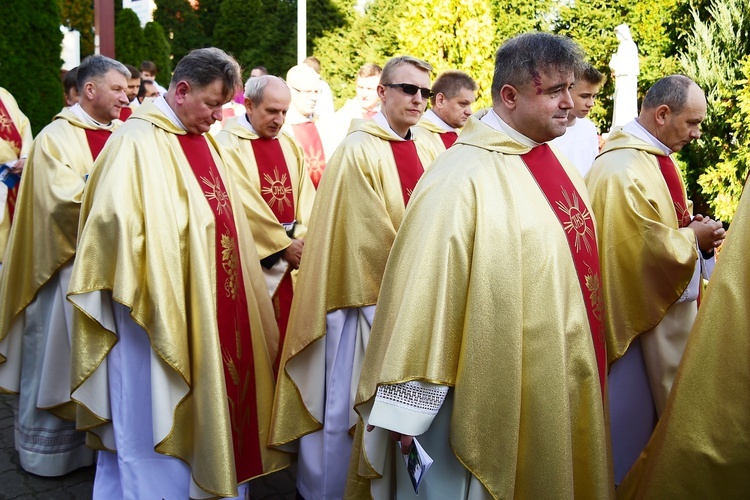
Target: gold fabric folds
[147, 235]
[647, 261]
[701, 446]
[8, 153]
[427, 131]
[358, 209]
[481, 294]
[270, 237]
[45, 227]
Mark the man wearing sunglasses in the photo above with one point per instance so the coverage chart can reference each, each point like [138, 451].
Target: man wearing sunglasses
[358, 209]
[488, 345]
[450, 106]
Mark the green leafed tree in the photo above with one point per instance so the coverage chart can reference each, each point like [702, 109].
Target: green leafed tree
[717, 57]
[158, 50]
[130, 42]
[79, 15]
[31, 71]
[181, 25]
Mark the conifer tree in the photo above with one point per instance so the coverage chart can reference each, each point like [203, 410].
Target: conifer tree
[130, 43]
[158, 50]
[30, 40]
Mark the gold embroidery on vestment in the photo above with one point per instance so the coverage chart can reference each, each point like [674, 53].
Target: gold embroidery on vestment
[277, 189]
[578, 221]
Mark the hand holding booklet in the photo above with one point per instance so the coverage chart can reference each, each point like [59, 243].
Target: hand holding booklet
[417, 463]
[7, 176]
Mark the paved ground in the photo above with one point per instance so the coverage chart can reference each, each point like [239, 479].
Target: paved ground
[15, 483]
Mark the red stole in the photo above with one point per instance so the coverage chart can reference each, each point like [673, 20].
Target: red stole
[125, 113]
[232, 315]
[10, 134]
[672, 178]
[97, 139]
[448, 138]
[409, 166]
[315, 158]
[576, 221]
[276, 189]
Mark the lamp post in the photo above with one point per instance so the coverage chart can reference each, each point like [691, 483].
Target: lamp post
[301, 30]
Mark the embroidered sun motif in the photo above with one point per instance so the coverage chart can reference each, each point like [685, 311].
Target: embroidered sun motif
[683, 216]
[579, 221]
[277, 189]
[215, 192]
[315, 163]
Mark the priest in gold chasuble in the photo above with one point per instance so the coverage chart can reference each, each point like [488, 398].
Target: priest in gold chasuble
[276, 192]
[654, 256]
[15, 144]
[171, 369]
[35, 352]
[701, 446]
[358, 209]
[489, 346]
[453, 93]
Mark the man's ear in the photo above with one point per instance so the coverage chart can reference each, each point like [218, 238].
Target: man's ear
[182, 89]
[509, 96]
[661, 113]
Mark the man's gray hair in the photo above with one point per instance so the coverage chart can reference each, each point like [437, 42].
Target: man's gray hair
[525, 57]
[95, 67]
[202, 67]
[392, 64]
[671, 90]
[256, 87]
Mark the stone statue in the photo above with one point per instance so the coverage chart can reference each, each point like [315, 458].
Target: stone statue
[625, 70]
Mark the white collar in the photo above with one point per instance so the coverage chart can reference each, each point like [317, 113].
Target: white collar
[635, 128]
[432, 117]
[380, 119]
[165, 108]
[493, 120]
[86, 118]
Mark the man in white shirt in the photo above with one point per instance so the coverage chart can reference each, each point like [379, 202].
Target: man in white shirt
[580, 143]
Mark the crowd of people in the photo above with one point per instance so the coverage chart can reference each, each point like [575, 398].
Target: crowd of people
[204, 283]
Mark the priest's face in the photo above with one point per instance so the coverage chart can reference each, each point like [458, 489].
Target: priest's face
[676, 130]
[267, 116]
[105, 96]
[540, 107]
[199, 108]
[401, 109]
[305, 92]
[456, 110]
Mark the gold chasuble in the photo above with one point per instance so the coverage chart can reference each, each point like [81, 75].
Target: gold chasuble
[647, 236]
[307, 135]
[442, 139]
[276, 193]
[162, 236]
[15, 142]
[46, 230]
[358, 209]
[701, 445]
[502, 309]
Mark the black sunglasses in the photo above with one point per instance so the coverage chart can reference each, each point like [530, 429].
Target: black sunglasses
[410, 89]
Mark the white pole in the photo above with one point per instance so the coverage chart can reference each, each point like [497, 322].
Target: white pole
[301, 30]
